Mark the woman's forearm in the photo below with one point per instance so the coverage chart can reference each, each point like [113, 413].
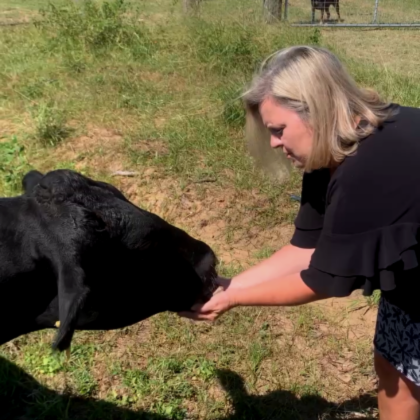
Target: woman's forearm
[285, 291]
[289, 290]
[284, 262]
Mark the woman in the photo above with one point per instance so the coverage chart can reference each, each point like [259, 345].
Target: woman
[359, 218]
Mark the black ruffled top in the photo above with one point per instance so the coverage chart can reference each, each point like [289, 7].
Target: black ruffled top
[364, 220]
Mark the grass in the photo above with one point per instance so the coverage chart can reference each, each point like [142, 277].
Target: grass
[13, 165]
[101, 87]
[199, 371]
[50, 124]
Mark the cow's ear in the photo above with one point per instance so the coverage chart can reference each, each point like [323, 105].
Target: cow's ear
[72, 294]
[30, 181]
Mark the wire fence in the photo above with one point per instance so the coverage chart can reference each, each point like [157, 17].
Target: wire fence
[352, 13]
[329, 13]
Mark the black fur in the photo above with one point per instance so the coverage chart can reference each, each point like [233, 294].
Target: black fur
[77, 251]
[324, 7]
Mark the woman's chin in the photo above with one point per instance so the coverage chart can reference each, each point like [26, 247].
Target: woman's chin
[296, 163]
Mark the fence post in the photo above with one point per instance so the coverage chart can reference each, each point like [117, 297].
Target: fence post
[272, 10]
[191, 6]
[286, 9]
[375, 13]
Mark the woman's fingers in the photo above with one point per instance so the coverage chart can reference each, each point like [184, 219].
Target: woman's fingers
[210, 310]
[218, 290]
[216, 303]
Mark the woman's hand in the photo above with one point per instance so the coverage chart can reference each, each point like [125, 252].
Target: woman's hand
[211, 310]
[219, 303]
[285, 291]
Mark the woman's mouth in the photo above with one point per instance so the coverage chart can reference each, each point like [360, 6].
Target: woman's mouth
[287, 153]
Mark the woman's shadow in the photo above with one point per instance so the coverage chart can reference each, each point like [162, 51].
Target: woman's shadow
[284, 405]
[23, 398]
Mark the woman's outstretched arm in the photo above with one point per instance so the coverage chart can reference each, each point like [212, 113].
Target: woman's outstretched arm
[288, 260]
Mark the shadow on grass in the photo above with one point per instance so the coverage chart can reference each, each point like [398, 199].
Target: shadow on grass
[284, 405]
[23, 398]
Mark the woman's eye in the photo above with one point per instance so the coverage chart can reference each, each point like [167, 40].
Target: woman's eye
[277, 132]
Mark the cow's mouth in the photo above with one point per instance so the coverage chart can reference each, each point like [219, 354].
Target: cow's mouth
[206, 269]
[209, 286]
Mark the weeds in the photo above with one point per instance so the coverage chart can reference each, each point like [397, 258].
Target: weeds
[13, 165]
[233, 108]
[74, 62]
[315, 38]
[50, 124]
[257, 353]
[138, 381]
[33, 90]
[374, 299]
[94, 27]
[84, 383]
[224, 48]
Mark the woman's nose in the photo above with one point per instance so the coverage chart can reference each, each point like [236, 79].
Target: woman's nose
[275, 142]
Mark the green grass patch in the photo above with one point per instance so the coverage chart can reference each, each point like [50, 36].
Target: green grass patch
[13, 165]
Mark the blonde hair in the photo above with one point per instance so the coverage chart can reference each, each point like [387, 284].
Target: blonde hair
[312, 82]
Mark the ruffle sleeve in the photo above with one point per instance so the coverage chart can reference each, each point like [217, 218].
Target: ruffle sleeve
[310, 218]
[370, 260]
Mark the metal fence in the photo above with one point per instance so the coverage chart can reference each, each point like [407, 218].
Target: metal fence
[353, 13]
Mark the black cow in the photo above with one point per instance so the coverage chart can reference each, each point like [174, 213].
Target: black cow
[324, 7]
[76, 254]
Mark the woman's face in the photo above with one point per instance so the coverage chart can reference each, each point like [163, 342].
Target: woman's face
[288, 131]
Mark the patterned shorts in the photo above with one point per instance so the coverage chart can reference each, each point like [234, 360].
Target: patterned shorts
[397, 339]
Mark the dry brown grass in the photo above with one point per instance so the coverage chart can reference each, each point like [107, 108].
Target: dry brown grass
[394, 51]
